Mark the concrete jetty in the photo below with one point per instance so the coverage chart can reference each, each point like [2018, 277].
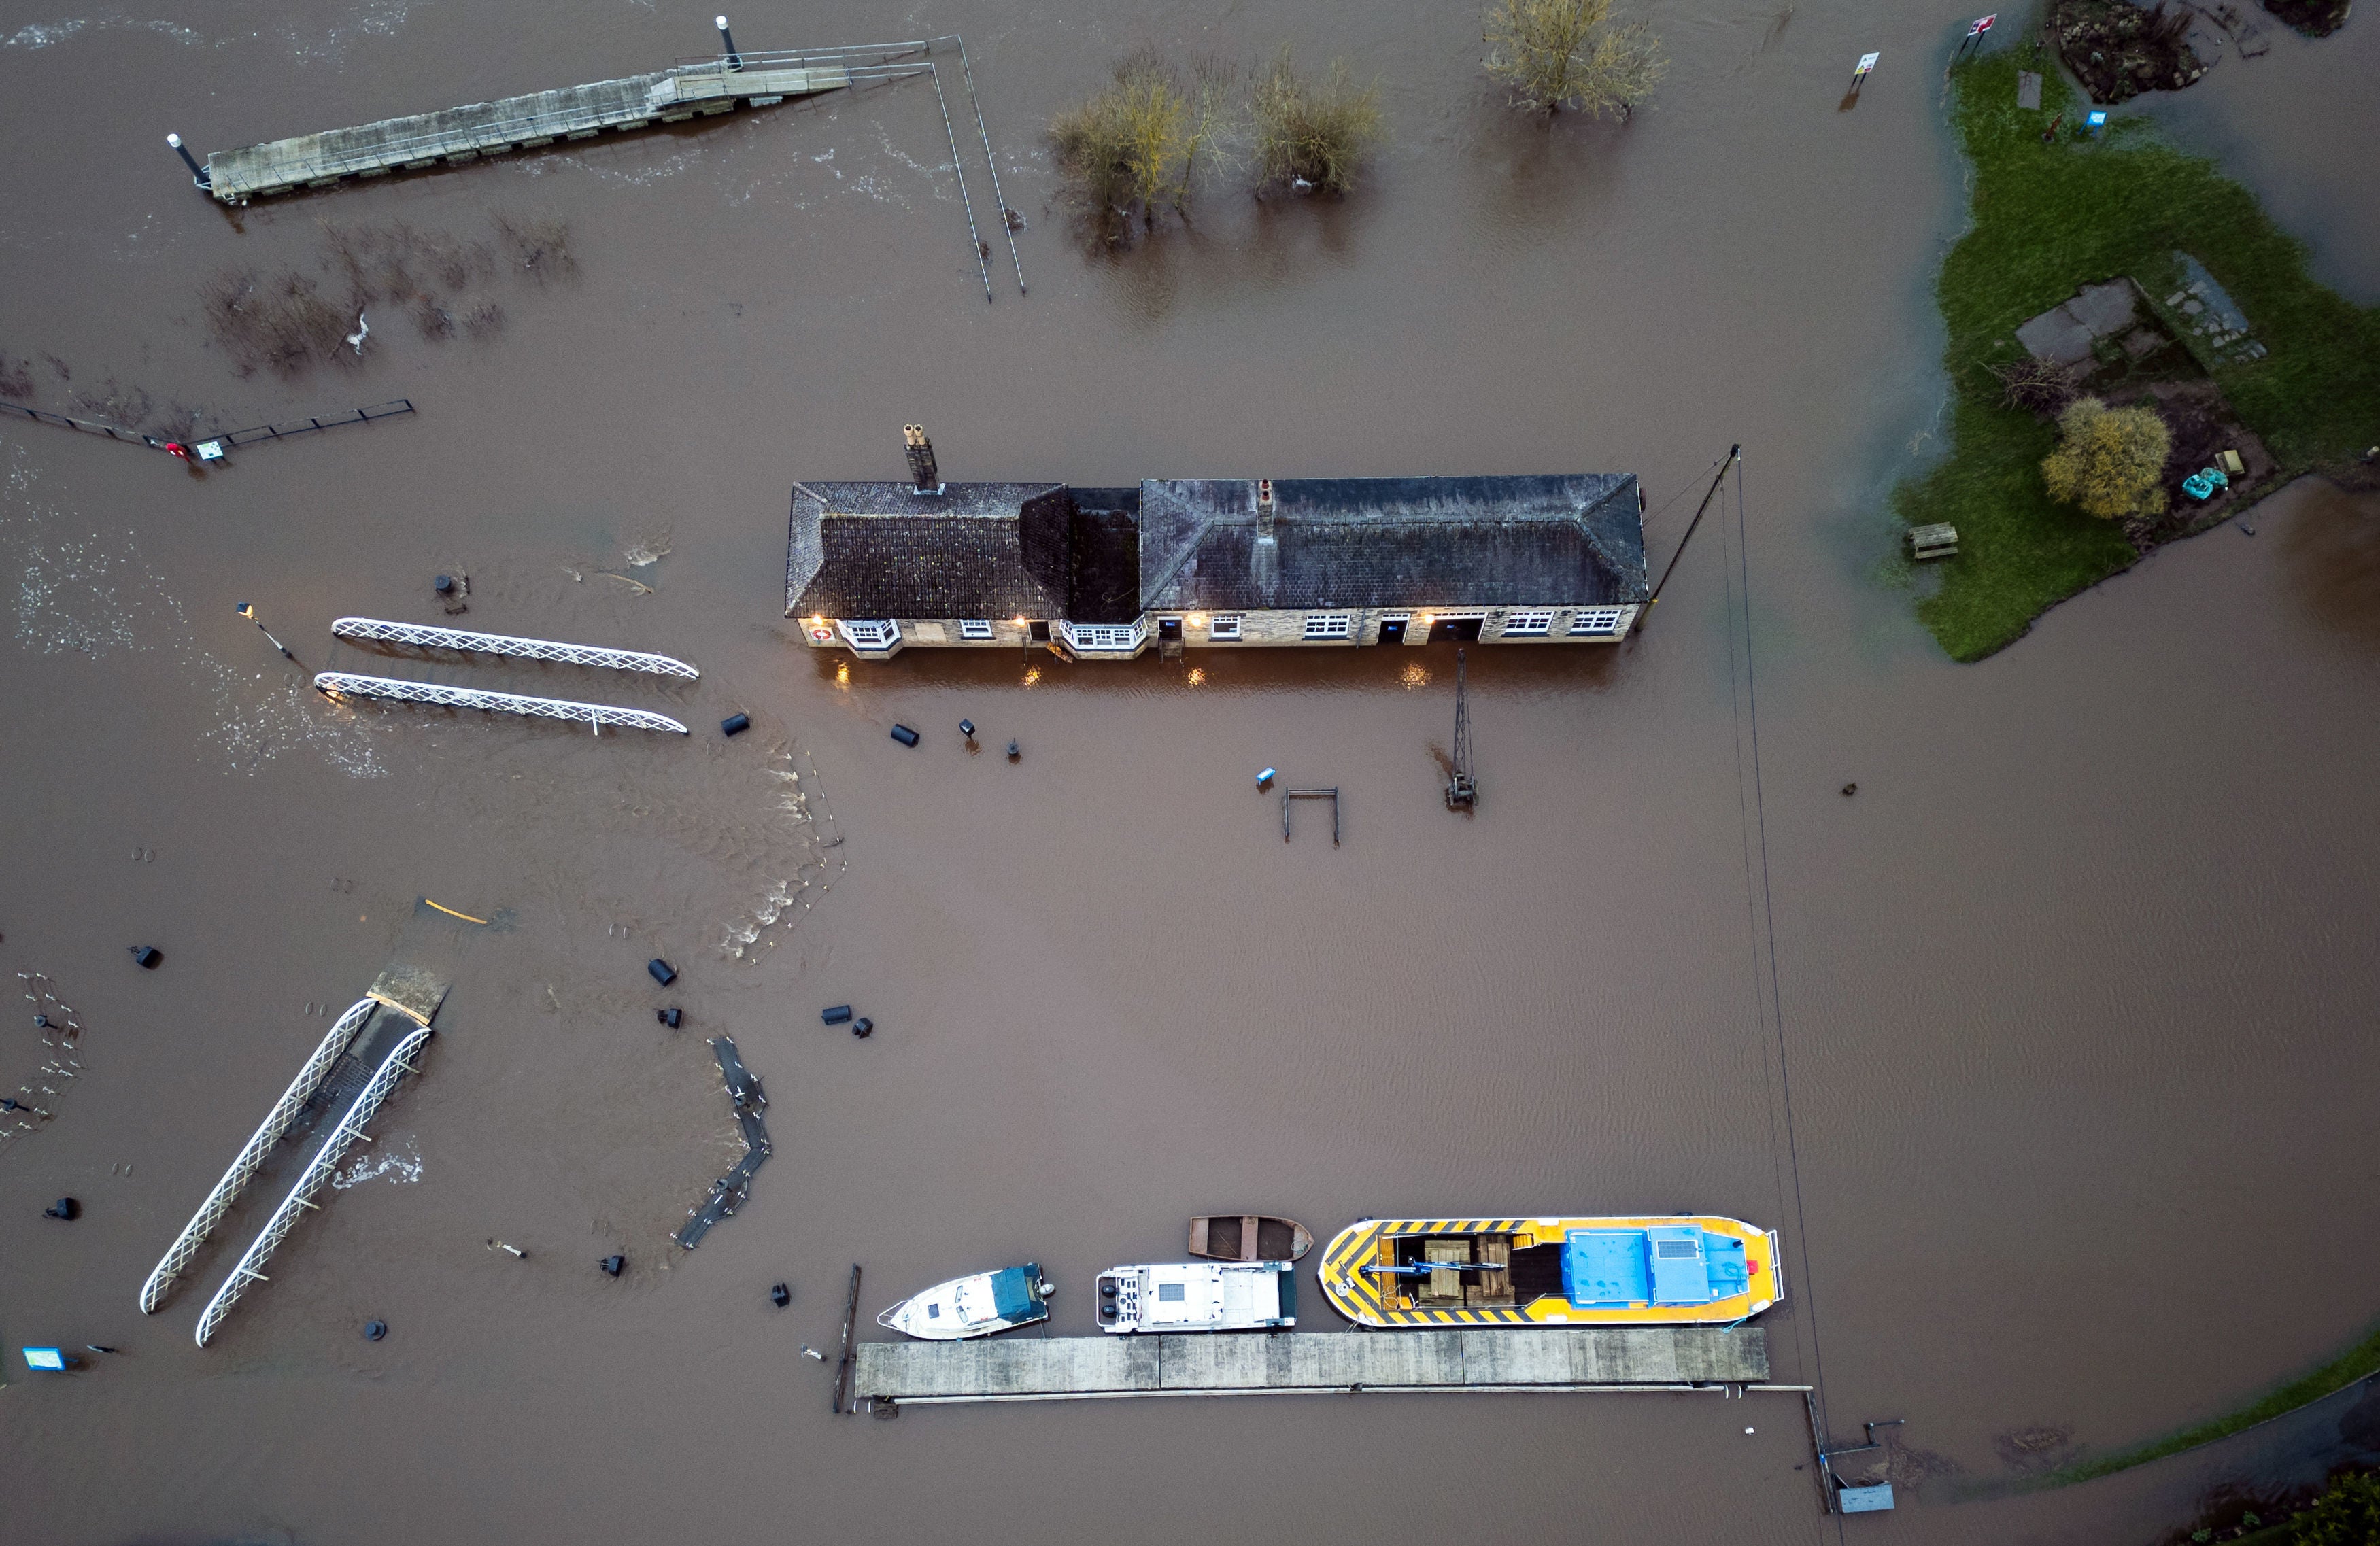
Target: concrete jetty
[1314, 1363]
[458, 134]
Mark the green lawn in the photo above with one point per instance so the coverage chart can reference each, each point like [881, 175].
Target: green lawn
[2047, 220]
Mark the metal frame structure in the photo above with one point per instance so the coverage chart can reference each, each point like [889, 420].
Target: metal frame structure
[1462, 788]
[341, 685]
[1330, 794]
[394, 1067]
[251, 1157]
[427, 637]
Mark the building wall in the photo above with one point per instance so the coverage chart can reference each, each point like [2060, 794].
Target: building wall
[1257, 630]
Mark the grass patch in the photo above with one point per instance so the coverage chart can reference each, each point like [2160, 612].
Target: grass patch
[2358, 1362]
[2047, 220]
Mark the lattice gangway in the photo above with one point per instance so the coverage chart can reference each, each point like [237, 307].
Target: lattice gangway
[423, 635]
[251, 1155]
[389, 1064]
[342, 684]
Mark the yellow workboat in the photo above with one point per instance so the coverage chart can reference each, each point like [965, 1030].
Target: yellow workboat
[1681, 1270]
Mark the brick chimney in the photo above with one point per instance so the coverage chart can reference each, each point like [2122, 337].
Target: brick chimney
[1264, 558]
[925, 477]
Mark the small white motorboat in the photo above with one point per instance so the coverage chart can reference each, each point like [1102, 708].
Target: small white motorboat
[1198, 1297]
[975, 1306]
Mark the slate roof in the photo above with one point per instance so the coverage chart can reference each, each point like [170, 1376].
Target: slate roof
[885, 550]
[1575, 539]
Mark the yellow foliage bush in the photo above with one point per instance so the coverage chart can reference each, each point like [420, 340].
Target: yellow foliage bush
[2109, 460]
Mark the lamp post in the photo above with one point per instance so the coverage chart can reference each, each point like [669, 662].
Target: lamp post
[248, 610]
[727, 43]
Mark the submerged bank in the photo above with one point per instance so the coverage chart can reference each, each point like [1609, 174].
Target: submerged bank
[2050, 217]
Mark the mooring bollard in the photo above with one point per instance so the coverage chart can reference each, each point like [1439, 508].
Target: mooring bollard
[375, 1330]
[614, 1265]
[669, 1016]
[780, 1295]
[145, 956]
[727, 43]
[199, 175]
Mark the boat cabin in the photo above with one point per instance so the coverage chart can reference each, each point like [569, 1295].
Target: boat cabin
[1197, 1297]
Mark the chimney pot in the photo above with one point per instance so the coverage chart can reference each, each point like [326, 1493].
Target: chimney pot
[924, 474]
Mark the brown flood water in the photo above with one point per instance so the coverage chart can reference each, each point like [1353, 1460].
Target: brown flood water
[2073, 996]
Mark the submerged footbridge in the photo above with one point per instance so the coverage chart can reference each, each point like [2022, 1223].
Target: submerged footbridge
[898, 1374]
[456, 135]
[338, 1088]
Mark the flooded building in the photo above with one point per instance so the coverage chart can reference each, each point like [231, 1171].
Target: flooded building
[1102, 573]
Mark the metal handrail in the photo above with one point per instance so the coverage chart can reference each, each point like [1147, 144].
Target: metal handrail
[318, 1170]
[428, 638]
[336, 684]
[251, 1155]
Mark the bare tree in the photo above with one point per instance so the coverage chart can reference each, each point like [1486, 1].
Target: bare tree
[1558, 53]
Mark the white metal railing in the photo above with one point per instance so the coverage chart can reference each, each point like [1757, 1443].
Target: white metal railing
[338, 684]
[251, 1155]
[428, 638]
[318, 1170]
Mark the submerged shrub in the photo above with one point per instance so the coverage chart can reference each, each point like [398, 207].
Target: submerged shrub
[1558, 53]
[2109, 460]
[1144, 141]
[1314, 133]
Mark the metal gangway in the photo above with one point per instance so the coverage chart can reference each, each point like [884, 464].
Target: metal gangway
[424, 636]
[251, 1157]
[341, 685]
[350, 1126]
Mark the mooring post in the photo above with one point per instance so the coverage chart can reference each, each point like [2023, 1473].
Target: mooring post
[727, 43]
[198, 173]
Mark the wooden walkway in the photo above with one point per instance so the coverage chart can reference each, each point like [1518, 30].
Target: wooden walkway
[464, 134]
[1062, 1369]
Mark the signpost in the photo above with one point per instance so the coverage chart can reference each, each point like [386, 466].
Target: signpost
[1975, 31]
[1868, 63]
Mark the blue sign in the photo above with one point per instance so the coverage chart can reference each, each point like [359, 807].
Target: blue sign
[51, 1358]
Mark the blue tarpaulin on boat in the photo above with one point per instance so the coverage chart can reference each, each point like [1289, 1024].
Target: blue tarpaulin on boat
[1723, 1256]
[1605, 1266]
[1011, 1292]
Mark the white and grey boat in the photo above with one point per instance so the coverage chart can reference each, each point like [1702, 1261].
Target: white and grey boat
[977, 1305]
[1198, 1297]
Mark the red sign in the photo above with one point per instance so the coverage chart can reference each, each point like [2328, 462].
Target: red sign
[1982, 25]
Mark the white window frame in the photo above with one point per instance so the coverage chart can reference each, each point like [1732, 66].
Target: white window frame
[1534, 625]
[1107, 639]
[870, 634]
[1224, 626]
[975, 628]
[1594, 623]
[1329, 625]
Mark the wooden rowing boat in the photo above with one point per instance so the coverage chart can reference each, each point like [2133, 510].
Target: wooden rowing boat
[1248, 1238]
